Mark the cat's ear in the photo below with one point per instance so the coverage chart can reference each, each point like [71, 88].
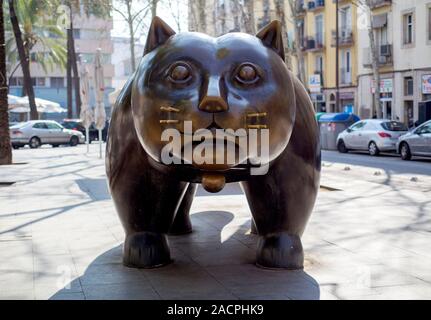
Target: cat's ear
[272, 38]
[158, 34]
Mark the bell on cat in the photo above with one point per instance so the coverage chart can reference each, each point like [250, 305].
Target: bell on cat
[189, 82]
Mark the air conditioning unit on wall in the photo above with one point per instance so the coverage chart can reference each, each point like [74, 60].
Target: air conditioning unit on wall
[385, 50]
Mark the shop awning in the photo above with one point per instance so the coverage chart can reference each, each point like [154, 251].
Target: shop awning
[379, 21]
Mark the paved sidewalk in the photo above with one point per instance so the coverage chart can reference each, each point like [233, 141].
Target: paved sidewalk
[60, 238]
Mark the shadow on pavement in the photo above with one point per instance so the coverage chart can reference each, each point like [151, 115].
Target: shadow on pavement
[216, 261]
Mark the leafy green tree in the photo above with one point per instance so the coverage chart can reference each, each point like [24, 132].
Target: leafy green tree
[39, 31]
[24, 59]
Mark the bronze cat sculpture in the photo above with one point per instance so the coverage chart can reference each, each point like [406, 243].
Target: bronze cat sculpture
[235, 81]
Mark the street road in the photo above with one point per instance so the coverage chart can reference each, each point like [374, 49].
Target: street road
[387, 162]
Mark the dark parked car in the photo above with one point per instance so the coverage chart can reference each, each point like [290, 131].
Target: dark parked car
[76, 124]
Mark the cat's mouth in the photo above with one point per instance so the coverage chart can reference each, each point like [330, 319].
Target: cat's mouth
[215, 129]
[223, 146]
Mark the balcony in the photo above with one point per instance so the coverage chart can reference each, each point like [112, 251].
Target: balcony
[380, 3]
[300, 8]
[313, 44]
[315, 5]
[385, 56]
[345, 37]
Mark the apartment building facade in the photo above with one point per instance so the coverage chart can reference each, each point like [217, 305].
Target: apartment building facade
[317, 25]
[318, 29]
[121, 59]
[403, 36]
[217, 17]
[90, 33]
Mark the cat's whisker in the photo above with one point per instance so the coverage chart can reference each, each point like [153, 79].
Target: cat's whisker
[256, 114]
[169, 121]
[169, 109]
[257, 126]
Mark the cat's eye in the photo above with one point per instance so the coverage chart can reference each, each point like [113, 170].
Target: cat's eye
[247, 74]
[179, 73]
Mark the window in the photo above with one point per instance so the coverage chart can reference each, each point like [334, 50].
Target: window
[38, 82]
[16, 82]
[40, 125]
[348, 61]
[77, 33]
[408, 28]
[345, 20]
[319, 30]
[429, 23]
[408, 86]
[394, 126]
[424, 129]
[383, 35]
[346, 69]
[57, 82]
[319, 64]
[53, 126]
[358, 126]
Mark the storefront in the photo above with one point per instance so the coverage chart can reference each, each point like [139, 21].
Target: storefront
[347, 101]
[386, 90]
[318, 100]
[426, 87]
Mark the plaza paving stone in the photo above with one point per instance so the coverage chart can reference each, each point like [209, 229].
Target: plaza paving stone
[60, 238]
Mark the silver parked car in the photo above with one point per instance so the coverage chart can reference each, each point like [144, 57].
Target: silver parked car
[38, 132]
[416, 143]
[374, 135]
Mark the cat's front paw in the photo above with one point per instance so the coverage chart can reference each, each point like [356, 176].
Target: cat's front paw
[146, 250]
[280, 251]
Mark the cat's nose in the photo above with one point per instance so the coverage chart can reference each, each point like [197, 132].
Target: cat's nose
[213, 100]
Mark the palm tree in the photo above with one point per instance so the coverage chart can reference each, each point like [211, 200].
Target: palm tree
[25, 61]
[38, 31]
[5, 147]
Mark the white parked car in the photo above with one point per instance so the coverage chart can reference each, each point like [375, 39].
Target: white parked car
[416, 143]
[38, 132]
[374, 135]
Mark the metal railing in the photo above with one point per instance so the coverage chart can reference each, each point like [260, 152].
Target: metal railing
[380, 3]
[345, 36]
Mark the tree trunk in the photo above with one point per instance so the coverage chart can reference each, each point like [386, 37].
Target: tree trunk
[25, 61]
[236, 16]
[298, 45]
[202, 25]
[5, 146]
[75, 68]
[131, 34]
[248, 17]
[376, 108]
[154, 8]
[266, 13]
[69, 75]
[280, 13]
